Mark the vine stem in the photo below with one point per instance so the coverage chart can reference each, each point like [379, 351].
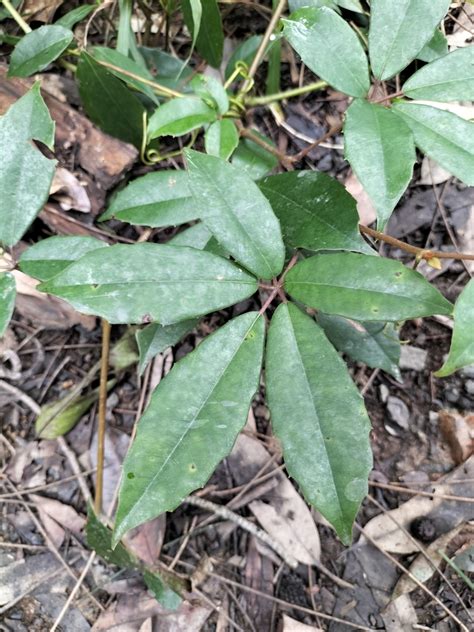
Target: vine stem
[104, 369]
[278, 285]
[16, 16]
[420, 253]
[286, 94]
[263, 45]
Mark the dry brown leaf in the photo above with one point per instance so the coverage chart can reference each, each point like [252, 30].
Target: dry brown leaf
[55, 532]
[69, 192]
[432, 172]
[284, 530]
[42, 309]
[64, 514]
[399, 615]
[290, 625]
[458, 432]
[421, 567]
[464, 111]
[388, 535]
[146, 540]
[246, 458]
[127, 613]
[461, 34]
[116, 446]
[40, 10]
[365, 207]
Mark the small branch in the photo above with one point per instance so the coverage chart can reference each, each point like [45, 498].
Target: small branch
[16, 16]
[167, 92]
[287, 94]
[74, 592]
[104, 368]
[420, 253]
[389, 97]
[263, 46]
[248, 133]
[227, 514]
[269, 301]
[304, 152]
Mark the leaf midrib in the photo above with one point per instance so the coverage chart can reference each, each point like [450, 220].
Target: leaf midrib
[363, 289]
[253, 244]
[313, 403]
[196, 415]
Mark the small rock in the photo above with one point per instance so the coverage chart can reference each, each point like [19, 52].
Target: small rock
[413, 358]
[469, 386]
[468, 371]
[384, 393]
[452, 395]
[398, 411]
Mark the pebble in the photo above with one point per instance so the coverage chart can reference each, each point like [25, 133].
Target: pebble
[384, 393]
[412, 358]
[452, 395]
[398, 411]
[469, 386]
[468, 371]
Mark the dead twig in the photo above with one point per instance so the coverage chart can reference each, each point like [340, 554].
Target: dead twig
[227, 514]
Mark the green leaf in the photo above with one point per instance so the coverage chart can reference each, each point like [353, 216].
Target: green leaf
[319, 417]
[193, 8]
[50, 256]
[99, 538]
[399, 29]
[445, 137]
[150, 282]
[124, 352]
[7, 300]
[71, 18]
[461, 352]
[206, 29]
[37, 49]
[154, 339]
[330, 48]
[212, 92]
[237, 214]
[29, 118]
[161, 198]
[111, 56]
[221, 139]
[315, 211]
[255, 160]
[449, 78]
[381, 151]
[375, 344]
[364, 288]
[180, 440]
[58, 418]
[25, 174]
[179, 116]
[125, 36]
[294, 5]
[197, 236]
[171, 71]
[436, 47]
[108, 102]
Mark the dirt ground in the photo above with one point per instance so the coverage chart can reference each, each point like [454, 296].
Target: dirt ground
[422, 442]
